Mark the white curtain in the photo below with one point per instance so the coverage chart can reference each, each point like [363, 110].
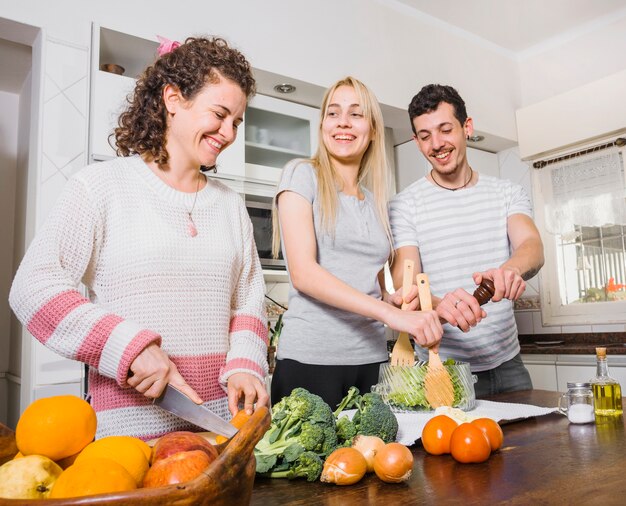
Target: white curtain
[587, 191]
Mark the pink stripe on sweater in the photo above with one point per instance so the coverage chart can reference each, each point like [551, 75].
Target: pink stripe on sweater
[45, 321]
[251, 324]
[136, 346]
[106, 394]
[90, 349]
[201, 373]
[243, 363]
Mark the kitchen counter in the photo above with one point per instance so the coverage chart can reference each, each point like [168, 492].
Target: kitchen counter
[573, 344]
[544, 460]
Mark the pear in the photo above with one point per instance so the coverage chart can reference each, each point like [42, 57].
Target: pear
[30, 477]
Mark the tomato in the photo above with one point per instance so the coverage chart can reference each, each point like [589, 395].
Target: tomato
[492, 430]
[436, 434]
[469, 444]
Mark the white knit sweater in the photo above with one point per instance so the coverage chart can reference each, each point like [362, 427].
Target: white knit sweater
[122, 232]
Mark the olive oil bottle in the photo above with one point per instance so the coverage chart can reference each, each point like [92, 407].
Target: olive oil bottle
[607, 393]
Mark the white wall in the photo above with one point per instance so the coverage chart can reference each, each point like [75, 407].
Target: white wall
[560, 65]
[389, 47]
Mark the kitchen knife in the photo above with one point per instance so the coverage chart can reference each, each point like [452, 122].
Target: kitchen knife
[176, 402]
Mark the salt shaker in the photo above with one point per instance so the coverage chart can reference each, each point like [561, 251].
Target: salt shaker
[577, 403]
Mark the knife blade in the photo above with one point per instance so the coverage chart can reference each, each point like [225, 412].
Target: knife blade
[177, 403]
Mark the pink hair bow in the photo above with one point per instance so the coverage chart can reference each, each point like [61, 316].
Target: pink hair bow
[166, 45]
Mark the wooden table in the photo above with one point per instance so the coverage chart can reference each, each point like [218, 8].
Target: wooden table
[544, 460]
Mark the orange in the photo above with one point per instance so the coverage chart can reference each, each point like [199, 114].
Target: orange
[18, 455]
[123, 450]
[239, 420]
[436, 434]
[55, 427]
[92, 476]
[469, 444]
[492, 430]
[145, 447]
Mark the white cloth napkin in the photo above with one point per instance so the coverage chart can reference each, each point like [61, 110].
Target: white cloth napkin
[410, 425]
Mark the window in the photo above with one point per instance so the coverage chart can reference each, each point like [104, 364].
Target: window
[580, 205]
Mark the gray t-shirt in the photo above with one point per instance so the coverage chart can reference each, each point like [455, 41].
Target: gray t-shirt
[314, 332]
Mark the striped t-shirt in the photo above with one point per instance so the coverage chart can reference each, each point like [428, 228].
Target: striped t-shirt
[459, 233]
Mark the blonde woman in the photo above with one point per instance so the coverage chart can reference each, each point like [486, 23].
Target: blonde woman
[332, 212]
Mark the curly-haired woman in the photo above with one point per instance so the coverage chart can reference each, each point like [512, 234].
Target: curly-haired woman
[175, 288]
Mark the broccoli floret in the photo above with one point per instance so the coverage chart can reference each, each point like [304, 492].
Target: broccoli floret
[311, 436]
[322, 414]
[308, 465]
[301, 422]
[330, 441]
[346, 430]
[372, 418]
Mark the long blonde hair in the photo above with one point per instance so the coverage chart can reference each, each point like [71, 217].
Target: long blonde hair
[373, 171]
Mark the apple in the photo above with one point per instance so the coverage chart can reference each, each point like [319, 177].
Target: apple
[30, 477]
[182, 441]
[177, 468]
[67, 461]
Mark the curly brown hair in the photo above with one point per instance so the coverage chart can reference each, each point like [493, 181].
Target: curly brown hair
[143, 125]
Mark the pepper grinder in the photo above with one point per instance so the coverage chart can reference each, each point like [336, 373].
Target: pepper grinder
[484, 291]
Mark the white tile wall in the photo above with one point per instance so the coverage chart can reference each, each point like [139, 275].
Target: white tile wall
[524, 321]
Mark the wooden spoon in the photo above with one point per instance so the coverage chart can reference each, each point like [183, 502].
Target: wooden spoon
[437, 382]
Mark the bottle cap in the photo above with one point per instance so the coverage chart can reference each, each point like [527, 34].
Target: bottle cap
[601, 352]
[578, 385]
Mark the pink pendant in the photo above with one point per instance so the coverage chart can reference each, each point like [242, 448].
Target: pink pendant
[191, 228]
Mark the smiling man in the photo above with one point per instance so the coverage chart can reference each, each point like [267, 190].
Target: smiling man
[460, 226]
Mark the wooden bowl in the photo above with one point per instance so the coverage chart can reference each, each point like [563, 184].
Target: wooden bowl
[227, 481]
[114, 68]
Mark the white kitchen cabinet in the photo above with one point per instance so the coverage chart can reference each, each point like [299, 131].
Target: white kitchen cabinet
[542, 369]
[577, 368]
[553, 372]
[276, 131]
[109, 92]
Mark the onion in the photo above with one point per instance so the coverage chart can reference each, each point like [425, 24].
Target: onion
[393, 463]
[368, 446]
[344, 466]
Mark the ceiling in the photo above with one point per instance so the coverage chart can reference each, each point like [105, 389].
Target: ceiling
[519, 25]
[514, 27]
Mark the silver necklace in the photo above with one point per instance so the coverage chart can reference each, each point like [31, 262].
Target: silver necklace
[191, 226]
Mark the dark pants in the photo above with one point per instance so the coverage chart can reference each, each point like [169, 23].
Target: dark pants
[330, 382]
[510, 376]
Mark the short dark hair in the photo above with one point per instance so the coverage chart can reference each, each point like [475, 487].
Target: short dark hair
[199, 61]
[429, 98]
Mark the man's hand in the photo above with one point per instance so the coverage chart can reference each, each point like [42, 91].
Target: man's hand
[246, 386]
[508, 282]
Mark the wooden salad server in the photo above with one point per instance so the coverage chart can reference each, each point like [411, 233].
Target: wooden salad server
[403, 353]
[438, 387]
